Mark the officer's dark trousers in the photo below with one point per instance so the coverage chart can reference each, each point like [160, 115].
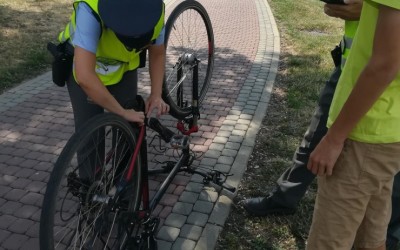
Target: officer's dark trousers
[293, 183]
[125, 91]
[394, 224]
[84, 108]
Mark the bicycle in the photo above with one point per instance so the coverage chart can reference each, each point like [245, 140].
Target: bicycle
[97, 196]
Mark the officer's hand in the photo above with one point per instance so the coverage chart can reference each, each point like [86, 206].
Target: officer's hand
[350, 11]
[134, 116]
[156, 102]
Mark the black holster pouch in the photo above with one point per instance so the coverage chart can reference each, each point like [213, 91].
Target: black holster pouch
[142, 58]
[61, 66]
[137, 104]
[336, 54]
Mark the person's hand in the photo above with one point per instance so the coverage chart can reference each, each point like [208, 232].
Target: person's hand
[323, 158]
[350, 11]
[133, 116]
[156, 102]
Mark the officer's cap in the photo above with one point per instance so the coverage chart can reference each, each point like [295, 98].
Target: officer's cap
[130, 17]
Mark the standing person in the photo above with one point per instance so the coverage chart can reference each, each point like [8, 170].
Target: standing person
[293, 183]
[358, 157]
[108, 36]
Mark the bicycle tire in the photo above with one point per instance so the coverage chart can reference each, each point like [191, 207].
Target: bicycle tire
[189, 19]
[93, 193]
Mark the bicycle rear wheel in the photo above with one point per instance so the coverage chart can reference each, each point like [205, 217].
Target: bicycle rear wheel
[88, 197]
[189, 41]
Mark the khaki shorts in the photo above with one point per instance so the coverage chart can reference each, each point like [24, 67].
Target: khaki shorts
[354, 204]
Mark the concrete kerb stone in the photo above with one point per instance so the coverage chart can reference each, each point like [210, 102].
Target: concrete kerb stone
[209, 237]
[183, 243]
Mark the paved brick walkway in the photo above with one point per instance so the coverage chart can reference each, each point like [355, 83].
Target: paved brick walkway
[36, 121]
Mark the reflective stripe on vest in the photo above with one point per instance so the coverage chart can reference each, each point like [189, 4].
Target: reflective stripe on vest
[350, 29]
[346, 46]
[112, 57]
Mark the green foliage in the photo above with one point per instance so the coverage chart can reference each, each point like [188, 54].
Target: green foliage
[35, 62]
[25, 29]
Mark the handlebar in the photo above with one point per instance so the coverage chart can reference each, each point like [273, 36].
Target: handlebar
[213, 178]
[219, 187]
[175, 140]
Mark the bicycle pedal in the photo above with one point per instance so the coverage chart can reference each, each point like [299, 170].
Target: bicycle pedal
[179, 141]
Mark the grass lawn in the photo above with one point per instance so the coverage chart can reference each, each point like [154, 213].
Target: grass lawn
[25, 28]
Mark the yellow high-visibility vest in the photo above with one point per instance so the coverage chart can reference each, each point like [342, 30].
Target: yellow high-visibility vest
[350, 28]
[113, 59]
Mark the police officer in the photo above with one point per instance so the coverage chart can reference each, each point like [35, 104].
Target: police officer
[108, 37]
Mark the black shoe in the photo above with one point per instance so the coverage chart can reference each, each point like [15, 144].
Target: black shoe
[266, 206]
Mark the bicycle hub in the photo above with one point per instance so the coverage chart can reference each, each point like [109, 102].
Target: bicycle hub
[189, 59]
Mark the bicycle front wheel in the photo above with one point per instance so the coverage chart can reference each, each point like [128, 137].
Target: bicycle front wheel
[91, 190]
[189, 42]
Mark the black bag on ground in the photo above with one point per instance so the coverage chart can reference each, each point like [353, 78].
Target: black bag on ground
[63, 55]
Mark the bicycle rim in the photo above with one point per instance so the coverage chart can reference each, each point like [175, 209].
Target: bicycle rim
[87, 197]
[189, 36]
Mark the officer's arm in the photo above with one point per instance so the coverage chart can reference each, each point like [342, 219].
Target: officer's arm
[157, 69]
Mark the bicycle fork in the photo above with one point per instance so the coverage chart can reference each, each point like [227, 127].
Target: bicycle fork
[189, 125]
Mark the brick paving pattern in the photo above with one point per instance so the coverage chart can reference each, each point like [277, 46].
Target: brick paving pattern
[36, 121]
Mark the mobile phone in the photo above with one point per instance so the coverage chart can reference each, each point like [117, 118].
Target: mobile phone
[333, 1]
